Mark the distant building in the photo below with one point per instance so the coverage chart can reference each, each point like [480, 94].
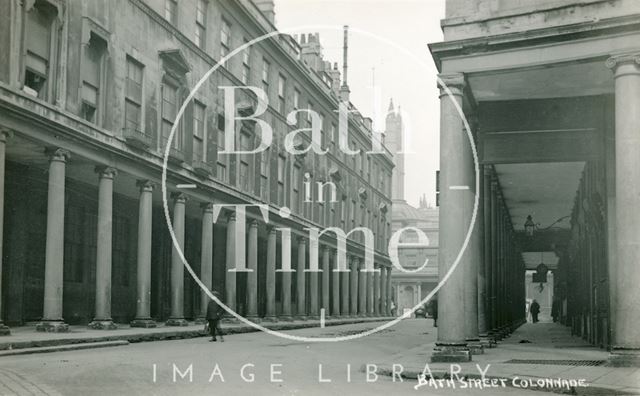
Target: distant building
[408, 289]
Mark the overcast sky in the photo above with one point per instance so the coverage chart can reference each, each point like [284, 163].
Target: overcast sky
[404, 69]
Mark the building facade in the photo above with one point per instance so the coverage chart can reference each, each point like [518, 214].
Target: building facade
[411, 287]
[549, 91]
[89, 95]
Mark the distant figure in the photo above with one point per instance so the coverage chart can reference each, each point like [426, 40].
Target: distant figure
[433, 307]
[214, 314]
[534, 309]
[393, 308]
[555, 310]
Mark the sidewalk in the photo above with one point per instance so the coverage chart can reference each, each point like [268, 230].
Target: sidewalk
[31, 341]
[551, 353]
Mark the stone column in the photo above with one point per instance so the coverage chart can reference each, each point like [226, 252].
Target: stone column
[53, 268]
[376, 292]
[384, 311]
[143, 304]
[286, 277]
[4, 134]
[335, 284]
[345, 292]
[369, 289]
[387, 287]
[495, 248]
[252, 274]
[206, 258]
[177, 266]
[326, 276]
[455, 170]
[354, 280]
[102, 319]
[301, 300]
[471, 270]
[314, 250]
[230, 264]
[362, 290]
[626, 343]
[270, 313]
[484, 310]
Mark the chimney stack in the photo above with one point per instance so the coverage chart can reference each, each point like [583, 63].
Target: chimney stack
[344, 89]
[267, 7]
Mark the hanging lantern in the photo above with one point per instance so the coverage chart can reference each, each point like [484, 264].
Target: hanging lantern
[529, 226]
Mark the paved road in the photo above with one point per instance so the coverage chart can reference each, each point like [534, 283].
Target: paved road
[129, 370]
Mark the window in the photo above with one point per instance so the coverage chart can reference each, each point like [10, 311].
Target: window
[169, 111]
[343, 214]
[246, 64]
[281, 173]
[201, 16]
[133, 96]
[332, 135]
[323, 138]
[265, 76]
[295, 194]
[76, 223]
[92, 61]
[353, 214]
[281, 88]
[198, 132]
[225, 40]
[245, 174]
[121, 250]
[296, 99]
[221, 165]
[309, 110]
[171, 11]
[38, 49]
[264, 175]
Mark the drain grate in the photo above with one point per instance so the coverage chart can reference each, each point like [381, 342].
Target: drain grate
[557, 362]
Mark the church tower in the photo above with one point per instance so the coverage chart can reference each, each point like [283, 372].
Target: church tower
[395, 144]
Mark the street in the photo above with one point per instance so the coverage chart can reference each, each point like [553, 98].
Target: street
[273, 366]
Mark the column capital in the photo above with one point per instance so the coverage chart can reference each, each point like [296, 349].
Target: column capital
[57, 154]
[253, 224]
[271, 229]
[106, 172]
[454, 82]
[231, 216]
[207, 206]
[145, 185]
[179, 197]
[5, 133]
[616, 60]
[302, 240]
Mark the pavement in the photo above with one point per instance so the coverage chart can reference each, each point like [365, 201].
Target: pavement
[533, 356]
[363, 366]
[25, 339]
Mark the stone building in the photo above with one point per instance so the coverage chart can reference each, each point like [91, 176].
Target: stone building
[89, 93]
[550, 90]
[411, 287]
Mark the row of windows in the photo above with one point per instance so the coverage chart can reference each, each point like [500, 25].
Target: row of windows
[38, 43]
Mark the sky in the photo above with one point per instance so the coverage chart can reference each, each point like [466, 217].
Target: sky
[388, 59]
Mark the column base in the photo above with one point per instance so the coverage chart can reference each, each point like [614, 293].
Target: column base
[486, 341]
[285, 318]
[4, 330]
[270, 318]
[450, 353]
[253, 318]
[102, 324]
[300, 317]
[475, 347]
[624, 357]
[176, 322]
[200, 320]
[143, 322]
[52, 326]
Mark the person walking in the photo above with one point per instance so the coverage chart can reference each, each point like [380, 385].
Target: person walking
[214, 314]
[434, 311]
[534, 309]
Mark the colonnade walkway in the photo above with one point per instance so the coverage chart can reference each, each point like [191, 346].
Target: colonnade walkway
[25, 339]
[535, 351]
